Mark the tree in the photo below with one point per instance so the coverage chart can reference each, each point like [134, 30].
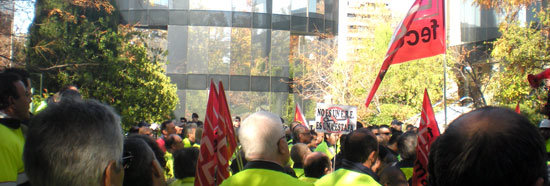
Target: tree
[80, 42]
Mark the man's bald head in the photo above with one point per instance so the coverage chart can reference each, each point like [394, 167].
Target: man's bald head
[298, 152]
[316, 165]
[488, 146]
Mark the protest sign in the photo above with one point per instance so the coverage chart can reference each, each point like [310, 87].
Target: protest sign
[335, 118]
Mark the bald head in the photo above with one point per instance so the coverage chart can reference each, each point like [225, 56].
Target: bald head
[316, 165]
[488, 146]
[298, 152]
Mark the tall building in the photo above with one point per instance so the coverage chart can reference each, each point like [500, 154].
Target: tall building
[246, 44]
[357, 21]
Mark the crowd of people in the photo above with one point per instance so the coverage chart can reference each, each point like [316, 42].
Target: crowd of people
[76, 141]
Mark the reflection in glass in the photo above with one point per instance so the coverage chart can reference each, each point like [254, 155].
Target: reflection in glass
[177, 49]
[242, 5]
[180, 107]
[198, 47]
[156, 4]
[281, 7]
[223, 5]
[259, 101]
[280, 50]
[299, 8]
[219, 43]
[241, 55]
[260, 52]
[316, 8]
[195, 102]
[239, 103]
[260, 6]
[277, 104]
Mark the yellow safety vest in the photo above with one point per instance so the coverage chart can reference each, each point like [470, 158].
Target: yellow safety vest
[346, 177]
[308, 179]
[187, 181]
[12, 169]
[262, 177]
[299, 172]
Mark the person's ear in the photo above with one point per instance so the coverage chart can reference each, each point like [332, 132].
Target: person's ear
[114, 174]
[283, 146]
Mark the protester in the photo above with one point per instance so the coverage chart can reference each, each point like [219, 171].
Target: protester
[133, 130]
[173, 142]
[360, 154]
[328, 145]
[314, 141]
[75, 143]
[396, 125]
[407, 151]
[159, 155]
[195, 119]
[384, 134]
[301, 134]
[190, 133]
[392, 176]
[316, 165]
[146, 131]
[237, 122]
[14, 109]
[297, 154]
[185, 162]
[488, 146]
[263, 141]
[166, 128]
[392, 144]
[141, 168]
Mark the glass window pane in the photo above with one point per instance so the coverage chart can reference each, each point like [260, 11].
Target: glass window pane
[241, 19]
[239, 83]
[239, 103]
[281, 7]
[180, 107]
[278, 103]
[259, 83]
[158, 17]
[316, 25]
[123, 4]
[177, 49]
[298, 23]
[195, 102]
[198, 46]
[316, 8]
[299, 8]
[242, 5]
[259, 101]
[280, 51]
[219, 44]
[179, 17]
[137, 5]
[261, 20]
[223, 5]
[241, 53]
[158, 4]
[179, 4]
[138, 17]
[260, 52]
[281, 22]
[209, 18]
[260, 6]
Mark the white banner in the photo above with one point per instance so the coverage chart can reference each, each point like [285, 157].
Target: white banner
[335, 118]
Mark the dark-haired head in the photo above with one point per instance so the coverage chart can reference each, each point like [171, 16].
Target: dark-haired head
[488, 146]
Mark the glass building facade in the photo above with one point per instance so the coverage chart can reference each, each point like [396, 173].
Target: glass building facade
[246, 44]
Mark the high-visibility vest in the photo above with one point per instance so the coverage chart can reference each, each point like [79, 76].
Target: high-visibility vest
[187, 181]
[299, 172]
[308, 179]
[262, 177]
[408, 171]
[346, 177]
[324, 148]
[12, 169]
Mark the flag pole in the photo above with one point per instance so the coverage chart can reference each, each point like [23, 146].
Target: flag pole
[445, 86]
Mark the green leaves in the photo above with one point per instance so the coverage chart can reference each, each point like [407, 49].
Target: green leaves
[93, 53]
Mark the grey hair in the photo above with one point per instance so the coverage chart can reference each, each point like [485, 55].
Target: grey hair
[72, 143]
[259, 134]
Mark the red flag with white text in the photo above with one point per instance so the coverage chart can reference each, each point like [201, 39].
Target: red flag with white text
[226, 137]
[428, 131]
[421, 34]
[299, 116]
[207, 162]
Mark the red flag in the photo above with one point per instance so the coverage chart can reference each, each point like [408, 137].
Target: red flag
[207, 162]
[517, 108]
[225, 135]
[299, 116]
[428, 131]
[421, 34]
